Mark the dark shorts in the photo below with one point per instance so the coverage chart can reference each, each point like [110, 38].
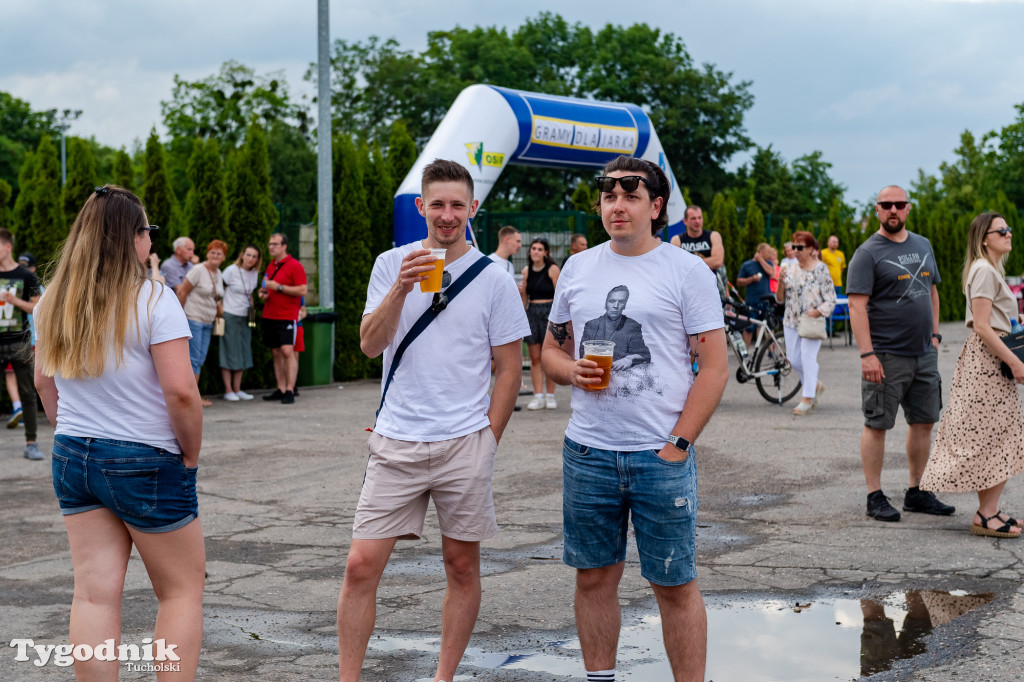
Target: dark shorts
[537, 315]
[911, 382]
[146, 487]
[277, 333]
[603, 490]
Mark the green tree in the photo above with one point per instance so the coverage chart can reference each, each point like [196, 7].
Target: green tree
[21, 130]
[206, 212]
[293, 169]
[251, 213]
[124, 174]
[6, 221]
[46, 227]
[161, 203]
[23, 203]
[401, 152]
[81, 179]
[753, 232]
[352, 258]
[379, 188]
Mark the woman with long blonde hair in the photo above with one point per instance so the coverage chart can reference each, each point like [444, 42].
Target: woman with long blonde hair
[113, 372]
[980, 441]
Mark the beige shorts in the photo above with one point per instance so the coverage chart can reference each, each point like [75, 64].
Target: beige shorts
[401, 476]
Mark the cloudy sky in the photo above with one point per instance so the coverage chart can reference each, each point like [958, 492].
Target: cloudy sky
[881, 87]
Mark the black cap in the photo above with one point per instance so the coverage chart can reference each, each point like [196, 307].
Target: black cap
[27, 259]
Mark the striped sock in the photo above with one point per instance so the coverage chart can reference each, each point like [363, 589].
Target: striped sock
[601, 675]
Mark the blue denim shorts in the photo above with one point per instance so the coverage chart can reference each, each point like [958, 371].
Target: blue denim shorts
[604, 488]
[146, 487]
[199, 344]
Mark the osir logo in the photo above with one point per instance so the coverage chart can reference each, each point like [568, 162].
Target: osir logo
[479, 158]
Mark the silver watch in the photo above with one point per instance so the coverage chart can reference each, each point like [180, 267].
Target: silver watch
[679, 442]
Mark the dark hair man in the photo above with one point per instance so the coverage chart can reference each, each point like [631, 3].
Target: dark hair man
[19, 293]
[628, 449]
[894, 310]
[436, 434]
[284, 285]
[509, 243]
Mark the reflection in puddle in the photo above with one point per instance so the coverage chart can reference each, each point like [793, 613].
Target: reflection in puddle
[757, 641]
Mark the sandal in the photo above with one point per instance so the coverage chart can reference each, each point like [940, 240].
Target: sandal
[1002, 532]
[802, 408]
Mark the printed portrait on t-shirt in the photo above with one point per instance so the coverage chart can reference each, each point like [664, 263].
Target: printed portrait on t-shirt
[631, 357]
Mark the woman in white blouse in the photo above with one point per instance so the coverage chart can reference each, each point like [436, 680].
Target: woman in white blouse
[240, 279]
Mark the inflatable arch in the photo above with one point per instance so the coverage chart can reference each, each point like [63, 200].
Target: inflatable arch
[489, 127]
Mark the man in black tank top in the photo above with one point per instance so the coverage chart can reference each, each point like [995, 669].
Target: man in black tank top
[704, 243]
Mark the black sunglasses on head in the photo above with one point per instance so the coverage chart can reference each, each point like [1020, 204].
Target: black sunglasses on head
[1002, 231]
[629, 183]
[898, 205]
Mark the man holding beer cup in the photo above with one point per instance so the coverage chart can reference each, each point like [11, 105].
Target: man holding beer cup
[628, 449]
[436, 431]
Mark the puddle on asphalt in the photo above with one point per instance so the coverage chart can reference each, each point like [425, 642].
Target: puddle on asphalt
[755, 641]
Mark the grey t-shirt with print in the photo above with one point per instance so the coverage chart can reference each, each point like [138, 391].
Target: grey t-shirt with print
[898, 279]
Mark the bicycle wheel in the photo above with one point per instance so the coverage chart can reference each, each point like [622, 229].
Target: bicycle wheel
[782, 382]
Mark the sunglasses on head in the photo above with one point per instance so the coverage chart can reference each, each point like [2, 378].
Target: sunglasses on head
[1002, 231]
[898, 205]
[629, 183]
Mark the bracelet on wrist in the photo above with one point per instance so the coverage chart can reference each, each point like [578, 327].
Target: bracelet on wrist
[869, 353]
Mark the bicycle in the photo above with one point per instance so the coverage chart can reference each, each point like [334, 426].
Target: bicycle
[767, 365]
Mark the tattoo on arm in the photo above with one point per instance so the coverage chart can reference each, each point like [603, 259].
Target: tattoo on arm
[559, 332]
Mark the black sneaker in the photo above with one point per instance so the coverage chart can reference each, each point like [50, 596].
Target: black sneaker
[276, 395]
[288, 398]
[925, 502]
[880, 509]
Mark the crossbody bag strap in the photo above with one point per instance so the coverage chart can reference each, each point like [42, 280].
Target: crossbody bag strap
[427, 317]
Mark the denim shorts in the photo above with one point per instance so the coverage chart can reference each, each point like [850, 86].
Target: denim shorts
[146, 487]
[199, 344]
[604, 488]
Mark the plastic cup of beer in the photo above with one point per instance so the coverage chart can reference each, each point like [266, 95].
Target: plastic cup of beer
[432, 283]
[601, 353]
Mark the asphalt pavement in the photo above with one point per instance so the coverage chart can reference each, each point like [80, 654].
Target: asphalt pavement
[782, 521]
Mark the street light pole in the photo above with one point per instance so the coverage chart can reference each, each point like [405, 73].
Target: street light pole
[64, 120]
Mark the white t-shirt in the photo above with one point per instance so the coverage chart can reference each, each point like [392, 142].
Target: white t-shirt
[669, 294]
[238, 287]
[126, 402]
[440, 387]
[503, 263]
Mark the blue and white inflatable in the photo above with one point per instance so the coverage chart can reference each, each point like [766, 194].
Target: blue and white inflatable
[488, 128]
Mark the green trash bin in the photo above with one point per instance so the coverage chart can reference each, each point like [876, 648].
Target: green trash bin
[316, 362]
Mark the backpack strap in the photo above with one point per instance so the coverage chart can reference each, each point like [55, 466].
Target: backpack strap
[428, 316]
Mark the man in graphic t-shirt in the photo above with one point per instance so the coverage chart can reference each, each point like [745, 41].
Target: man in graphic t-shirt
[704, 243]
[436, 432]
[628, 450]
[894, 311]
[284, 285]
[19, 293]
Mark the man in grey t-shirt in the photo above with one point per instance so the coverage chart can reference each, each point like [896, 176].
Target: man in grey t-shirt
[894, 309]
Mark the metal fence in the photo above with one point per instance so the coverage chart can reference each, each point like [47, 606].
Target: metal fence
[555, 226]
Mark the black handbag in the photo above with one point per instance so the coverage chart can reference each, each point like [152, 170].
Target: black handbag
[1015, 342]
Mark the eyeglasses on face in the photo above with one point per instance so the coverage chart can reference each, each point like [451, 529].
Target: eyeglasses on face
[1002, 231]
[889, 205]
[800, 247]
[274, 244]
[629, 183]
[149, 228]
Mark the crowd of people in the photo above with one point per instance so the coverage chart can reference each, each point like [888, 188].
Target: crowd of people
[628, 451]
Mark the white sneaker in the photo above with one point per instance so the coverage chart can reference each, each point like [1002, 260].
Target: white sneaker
[550, 403]
[231, 397]
[244, 396]
[536, 404]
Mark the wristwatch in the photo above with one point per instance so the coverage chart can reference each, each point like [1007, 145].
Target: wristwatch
[936, 335]
[679, 442]
[280, 288]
